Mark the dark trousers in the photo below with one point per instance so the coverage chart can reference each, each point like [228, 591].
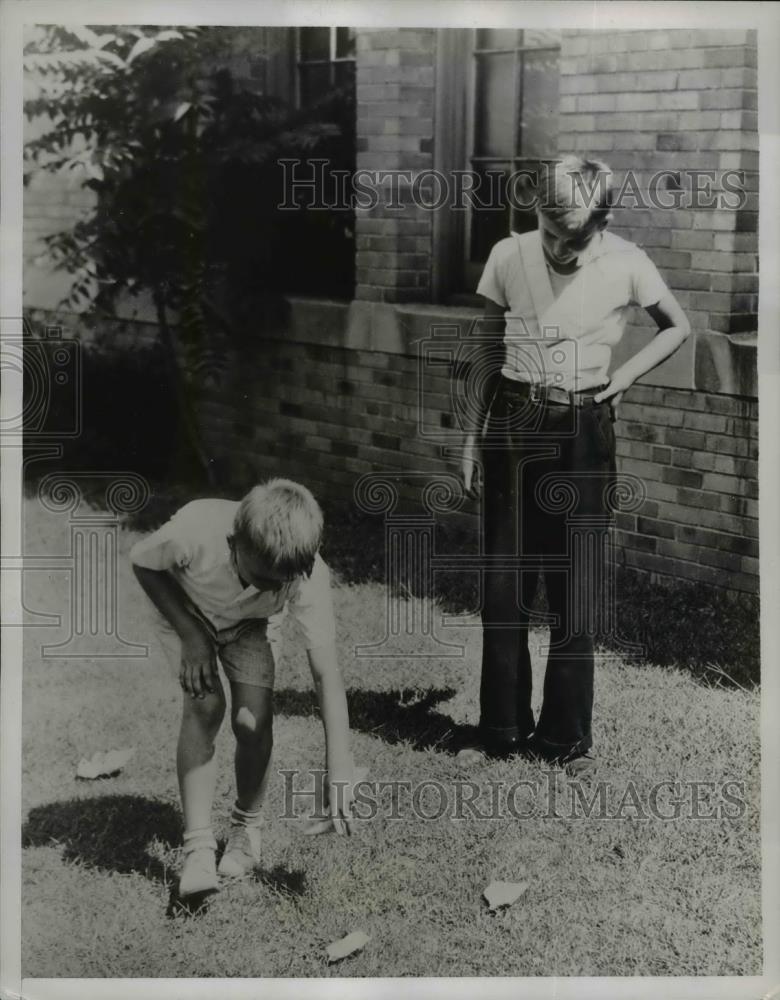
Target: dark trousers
[549, 473]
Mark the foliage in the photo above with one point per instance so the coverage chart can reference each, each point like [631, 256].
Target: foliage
[126, 409]
[183, 159]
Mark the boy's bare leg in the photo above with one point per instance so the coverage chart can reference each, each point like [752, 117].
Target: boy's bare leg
[195, 761]
[197, 770]
[252, 721]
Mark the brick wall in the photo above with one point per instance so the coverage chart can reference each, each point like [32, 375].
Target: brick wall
[697, 454]
[681, 100]
[395, 99]
[323, 405]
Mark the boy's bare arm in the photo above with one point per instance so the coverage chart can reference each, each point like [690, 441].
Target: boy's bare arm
[335, 720]
[491, 330]
[673, 330]
[199, 665]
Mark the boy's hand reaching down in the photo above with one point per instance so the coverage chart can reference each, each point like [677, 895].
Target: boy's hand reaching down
[339, 796]
[337, 815]
[198, 675]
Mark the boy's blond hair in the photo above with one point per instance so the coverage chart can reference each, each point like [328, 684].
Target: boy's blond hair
[281, 523]
[577, 193]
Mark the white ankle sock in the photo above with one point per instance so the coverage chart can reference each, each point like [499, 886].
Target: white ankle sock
[195, 840]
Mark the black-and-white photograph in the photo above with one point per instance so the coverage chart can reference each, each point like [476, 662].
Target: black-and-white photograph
[382, 580]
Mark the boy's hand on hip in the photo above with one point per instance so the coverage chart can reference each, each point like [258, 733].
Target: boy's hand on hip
[198, 676]
[614, 391]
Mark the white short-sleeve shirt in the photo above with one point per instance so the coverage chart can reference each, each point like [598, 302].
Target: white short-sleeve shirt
[585, 314]
[193, 547]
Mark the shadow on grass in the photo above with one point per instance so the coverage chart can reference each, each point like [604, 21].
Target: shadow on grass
[398, 716]
[282, 881]
[111, 832]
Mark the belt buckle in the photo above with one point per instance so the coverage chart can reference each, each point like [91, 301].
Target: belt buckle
[536, 395]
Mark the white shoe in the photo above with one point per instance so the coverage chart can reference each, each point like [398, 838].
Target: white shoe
[199, 873]
[242, 852]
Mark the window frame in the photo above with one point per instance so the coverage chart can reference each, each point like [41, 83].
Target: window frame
[330, 62]
[468, 272]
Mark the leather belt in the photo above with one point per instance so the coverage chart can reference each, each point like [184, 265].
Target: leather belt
[538, 392]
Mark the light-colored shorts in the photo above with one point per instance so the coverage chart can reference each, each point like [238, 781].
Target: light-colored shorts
[243, 650]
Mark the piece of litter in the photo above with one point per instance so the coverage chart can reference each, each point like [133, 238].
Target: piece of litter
[347, 946]
[503, 893]
[312, 827]
[103, 764]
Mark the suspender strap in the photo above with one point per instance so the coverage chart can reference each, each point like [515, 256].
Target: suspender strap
[535, 269]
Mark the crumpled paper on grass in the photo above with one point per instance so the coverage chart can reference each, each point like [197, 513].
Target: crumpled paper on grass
[347, 946]
[500, 894]
[103, 764]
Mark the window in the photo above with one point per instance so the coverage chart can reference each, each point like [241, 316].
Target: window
[326, 60]
[512, 115]
[317, 249]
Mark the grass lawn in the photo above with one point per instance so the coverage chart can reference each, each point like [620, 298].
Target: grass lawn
[621, 893]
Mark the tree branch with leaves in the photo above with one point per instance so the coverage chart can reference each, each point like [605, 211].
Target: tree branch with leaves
[183, 160]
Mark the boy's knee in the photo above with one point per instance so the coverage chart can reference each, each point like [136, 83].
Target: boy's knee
[208, 711]
[252, 727]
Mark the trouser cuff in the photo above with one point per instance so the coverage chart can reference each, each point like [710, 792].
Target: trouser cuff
[562, 751]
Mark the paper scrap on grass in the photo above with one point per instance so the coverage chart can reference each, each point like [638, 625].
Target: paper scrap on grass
[347, 946]
[324, 824]
[103, 764]
[503, 893]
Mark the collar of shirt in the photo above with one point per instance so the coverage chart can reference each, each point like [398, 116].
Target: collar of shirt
[596, 248]
[244, 593]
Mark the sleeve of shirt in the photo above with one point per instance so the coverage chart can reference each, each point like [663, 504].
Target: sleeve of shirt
[167, 548]
[312, 607]
[492, 282]
[647, 285]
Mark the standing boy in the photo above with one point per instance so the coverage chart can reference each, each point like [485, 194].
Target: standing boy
[222, 574]
[556, 300]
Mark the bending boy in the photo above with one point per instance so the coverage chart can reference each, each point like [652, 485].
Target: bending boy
[222, 574]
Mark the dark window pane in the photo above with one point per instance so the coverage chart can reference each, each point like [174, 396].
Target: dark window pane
[345, 73]
[315, 83]
[345, 42]
[494, 129]
[538, 38]
[489, 225]
[497, 38]
[539, 105]
[315, 43]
